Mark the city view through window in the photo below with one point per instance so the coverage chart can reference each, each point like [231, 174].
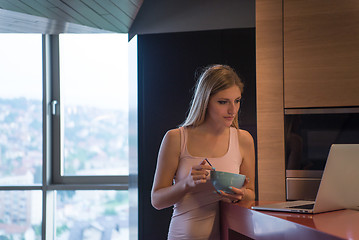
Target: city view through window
[94, 98]
[20, 109]
[94, 112]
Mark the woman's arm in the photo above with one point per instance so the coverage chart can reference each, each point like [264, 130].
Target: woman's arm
[164, 193]
[248, 163]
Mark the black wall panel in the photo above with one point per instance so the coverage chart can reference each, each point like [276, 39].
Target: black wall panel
[167, 64]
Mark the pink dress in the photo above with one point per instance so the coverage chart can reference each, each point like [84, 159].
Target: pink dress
[196, 215]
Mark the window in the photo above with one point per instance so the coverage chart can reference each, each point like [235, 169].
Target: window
[20, 214]
[88, 214]
[94, 98]
[64, 149]
[20, 136]
[20, 109]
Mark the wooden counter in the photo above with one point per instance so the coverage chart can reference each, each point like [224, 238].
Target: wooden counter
[238, 221]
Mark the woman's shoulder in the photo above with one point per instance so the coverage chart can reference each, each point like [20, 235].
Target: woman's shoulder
[244, 136]
[173, 133]
[173, 136]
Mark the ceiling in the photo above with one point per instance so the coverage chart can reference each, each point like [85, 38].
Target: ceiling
[67, 16]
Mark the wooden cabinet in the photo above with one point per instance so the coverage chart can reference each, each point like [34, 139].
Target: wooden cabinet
[321, 53]
[307, 55]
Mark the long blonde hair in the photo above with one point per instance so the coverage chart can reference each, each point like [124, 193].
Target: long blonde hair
[213, 79]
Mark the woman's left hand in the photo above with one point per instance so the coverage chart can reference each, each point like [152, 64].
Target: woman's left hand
[237, 195]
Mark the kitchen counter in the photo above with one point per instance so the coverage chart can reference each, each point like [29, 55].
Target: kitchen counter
[239, 221]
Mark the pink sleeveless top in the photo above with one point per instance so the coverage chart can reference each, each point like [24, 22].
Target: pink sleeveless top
[195, 216]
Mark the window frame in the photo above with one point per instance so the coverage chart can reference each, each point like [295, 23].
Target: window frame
[52, 173]
[57, 133]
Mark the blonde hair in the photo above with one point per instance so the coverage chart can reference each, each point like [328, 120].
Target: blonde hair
[213, 79]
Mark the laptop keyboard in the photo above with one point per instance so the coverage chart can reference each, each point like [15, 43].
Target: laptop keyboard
[305, 206]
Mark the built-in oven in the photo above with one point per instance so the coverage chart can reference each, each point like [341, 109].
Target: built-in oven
[309, 133]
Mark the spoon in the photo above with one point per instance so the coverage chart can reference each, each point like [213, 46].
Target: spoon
[214, 169]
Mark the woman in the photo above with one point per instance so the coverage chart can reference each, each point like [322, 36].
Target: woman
[209, 132]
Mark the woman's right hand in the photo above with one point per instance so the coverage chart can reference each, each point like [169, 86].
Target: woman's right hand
[198, 175]
[164, 193]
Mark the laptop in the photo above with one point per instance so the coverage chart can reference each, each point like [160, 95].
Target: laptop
[338, 188]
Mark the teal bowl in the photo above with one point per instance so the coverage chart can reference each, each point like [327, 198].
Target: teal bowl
[224, 180]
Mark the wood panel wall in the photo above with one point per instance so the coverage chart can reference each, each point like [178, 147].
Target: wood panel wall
[270, 116]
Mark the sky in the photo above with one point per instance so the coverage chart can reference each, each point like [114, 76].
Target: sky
[20, 66]
[93, 68]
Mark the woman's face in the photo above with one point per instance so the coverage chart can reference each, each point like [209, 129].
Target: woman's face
[223, 106]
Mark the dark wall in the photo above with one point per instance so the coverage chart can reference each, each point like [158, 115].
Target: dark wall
[167, 64]
[163, 16]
